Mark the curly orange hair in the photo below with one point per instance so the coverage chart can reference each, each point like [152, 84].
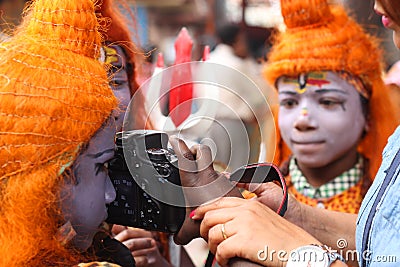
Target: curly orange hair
[54, 96]
[322, 37]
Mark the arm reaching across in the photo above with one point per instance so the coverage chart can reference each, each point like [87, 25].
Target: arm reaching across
[328, 226]
[248, 229]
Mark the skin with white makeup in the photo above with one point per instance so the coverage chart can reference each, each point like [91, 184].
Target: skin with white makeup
[316, 111]
[84, 199]
[120, 81]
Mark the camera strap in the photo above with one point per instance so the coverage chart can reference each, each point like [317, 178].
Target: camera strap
[262, 173]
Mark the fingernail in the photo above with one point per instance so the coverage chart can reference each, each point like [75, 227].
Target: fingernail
[192, 214]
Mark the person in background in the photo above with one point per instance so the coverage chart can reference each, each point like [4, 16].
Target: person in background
[234, 115]
[120, 52]
[334, 114]
[148, 65]
[10, 16]
[148, 248]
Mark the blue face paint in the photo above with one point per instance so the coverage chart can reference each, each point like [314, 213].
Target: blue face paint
[84, 203]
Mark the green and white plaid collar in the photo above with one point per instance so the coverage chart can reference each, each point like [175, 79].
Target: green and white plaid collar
[341, 183]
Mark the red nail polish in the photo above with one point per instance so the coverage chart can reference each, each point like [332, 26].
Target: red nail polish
[192, 214]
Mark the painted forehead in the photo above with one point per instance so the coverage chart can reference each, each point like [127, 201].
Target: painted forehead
[315, 80]
[103, 140]
[115, 55]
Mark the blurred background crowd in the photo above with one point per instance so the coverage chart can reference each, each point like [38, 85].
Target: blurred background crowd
[159, 22]
[156, 24]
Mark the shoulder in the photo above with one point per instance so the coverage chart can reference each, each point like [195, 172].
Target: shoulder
[395, 137]
[391, 148]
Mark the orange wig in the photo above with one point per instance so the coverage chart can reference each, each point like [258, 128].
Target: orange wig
[54, 96]
[322, 37]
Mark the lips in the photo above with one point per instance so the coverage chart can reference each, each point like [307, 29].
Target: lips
[386, 22]
[307, 142]
[385, 19]
[307, 146]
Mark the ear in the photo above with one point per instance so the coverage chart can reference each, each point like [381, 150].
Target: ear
[367, 125]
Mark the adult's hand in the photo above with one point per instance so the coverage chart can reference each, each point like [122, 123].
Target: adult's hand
[201, 184]
[142, 246]
[327, 226]
[248, 229]
[270, 195]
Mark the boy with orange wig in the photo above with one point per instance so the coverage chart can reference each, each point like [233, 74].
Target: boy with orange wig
[335, 114]
[57, 128]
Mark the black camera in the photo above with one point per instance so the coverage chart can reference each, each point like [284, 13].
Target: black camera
[146, 178]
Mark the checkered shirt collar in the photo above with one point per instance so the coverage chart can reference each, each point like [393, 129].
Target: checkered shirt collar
[338, 185]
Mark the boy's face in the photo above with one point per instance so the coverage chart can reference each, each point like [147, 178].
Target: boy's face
[84, 202]
[320, 117]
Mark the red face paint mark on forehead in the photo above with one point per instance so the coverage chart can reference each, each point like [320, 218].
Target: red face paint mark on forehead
[317, 82]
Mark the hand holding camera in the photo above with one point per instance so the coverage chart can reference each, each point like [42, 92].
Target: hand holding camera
[201, 184]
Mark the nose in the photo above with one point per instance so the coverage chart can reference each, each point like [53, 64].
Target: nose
[305, 121]
[110, 193]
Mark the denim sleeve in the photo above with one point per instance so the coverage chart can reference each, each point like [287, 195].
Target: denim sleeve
[384, 239]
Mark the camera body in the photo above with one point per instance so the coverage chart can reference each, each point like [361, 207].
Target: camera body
[142, 172]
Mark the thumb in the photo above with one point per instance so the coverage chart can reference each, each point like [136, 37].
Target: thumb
[186, 160]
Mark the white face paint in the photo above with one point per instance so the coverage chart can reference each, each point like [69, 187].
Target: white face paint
[84, 202]
[322, 120]
[120, 81]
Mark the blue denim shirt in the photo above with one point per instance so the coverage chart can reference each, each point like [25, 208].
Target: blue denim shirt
[384, 238]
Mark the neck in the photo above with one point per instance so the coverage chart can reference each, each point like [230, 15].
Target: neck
[322, 175]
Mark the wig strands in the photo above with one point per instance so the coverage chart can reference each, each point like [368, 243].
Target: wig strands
[322, 37]
[54, 96]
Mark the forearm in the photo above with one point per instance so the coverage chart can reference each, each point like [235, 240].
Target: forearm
[335, 229]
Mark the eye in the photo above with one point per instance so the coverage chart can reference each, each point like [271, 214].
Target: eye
[288, 103]
[102, 167]
[330, 103]
[116, 83]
